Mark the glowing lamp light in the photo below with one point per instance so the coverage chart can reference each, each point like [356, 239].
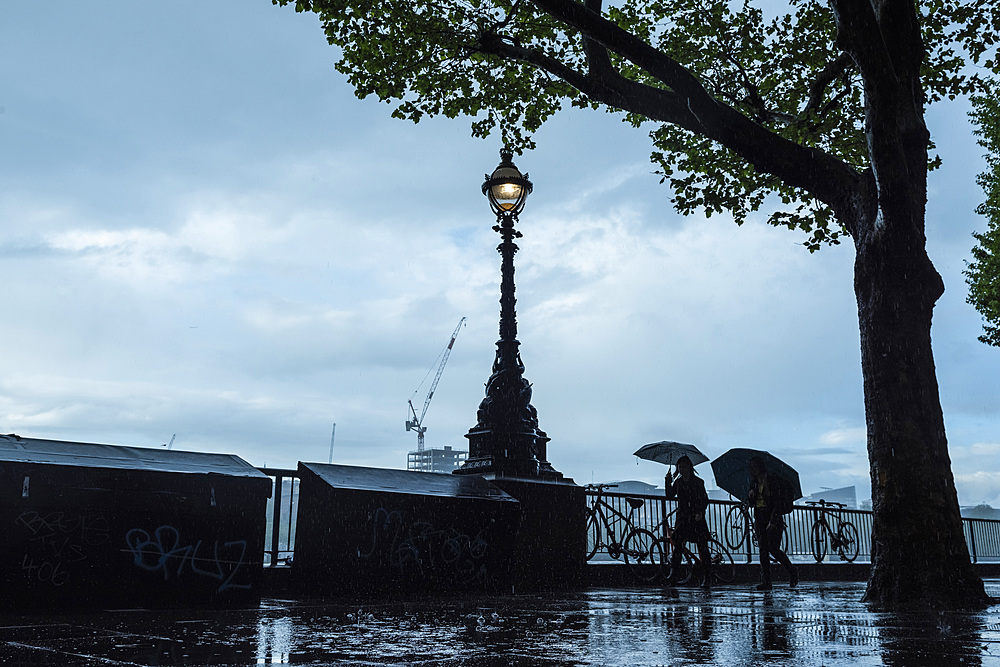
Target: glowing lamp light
[506, 187]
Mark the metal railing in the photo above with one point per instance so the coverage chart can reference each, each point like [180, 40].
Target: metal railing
[282, 511]
[981, 535]
[983, 538]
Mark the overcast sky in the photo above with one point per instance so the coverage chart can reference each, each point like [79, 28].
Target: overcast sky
[204, 233]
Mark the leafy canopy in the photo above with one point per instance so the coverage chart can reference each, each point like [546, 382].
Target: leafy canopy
[511, 64]
[983, 273]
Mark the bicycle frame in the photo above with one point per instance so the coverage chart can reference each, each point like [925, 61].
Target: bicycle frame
[843, 539]
[606, 514]
[603, 510]
[747, 531]
[722, 569]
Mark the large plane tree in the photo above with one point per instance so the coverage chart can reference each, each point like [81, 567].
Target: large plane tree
[812, 110]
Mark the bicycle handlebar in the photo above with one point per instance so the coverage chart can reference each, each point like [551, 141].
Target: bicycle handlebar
[600, 486]
[825, 503]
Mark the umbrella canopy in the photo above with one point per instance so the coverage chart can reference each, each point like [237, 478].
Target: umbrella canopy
[732, 472]
[667, 453]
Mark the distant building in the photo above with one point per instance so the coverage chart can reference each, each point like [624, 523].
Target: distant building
[642, 488]
[435, 460]
[718, 494]
[635, 486]
[981, 511]
[846, 496]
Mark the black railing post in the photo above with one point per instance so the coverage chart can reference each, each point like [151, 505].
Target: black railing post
[279, 483]
[292, 526]
[972, 539]
[663, 517]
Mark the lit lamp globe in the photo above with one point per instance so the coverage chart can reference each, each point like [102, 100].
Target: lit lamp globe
[506, 187]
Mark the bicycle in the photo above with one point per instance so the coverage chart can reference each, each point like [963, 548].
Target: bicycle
[739, 524]
[844, 539]
[635, 545]
[723, 568]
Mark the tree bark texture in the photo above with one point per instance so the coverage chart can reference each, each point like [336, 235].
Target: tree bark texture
[920, 558]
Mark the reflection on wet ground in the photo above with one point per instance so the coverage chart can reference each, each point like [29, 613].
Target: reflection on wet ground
[817, 624]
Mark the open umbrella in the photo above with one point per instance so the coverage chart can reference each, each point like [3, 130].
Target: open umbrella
[732, 472]
[667, 453]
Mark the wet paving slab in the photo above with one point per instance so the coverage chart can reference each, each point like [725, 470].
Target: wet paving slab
[815, 624]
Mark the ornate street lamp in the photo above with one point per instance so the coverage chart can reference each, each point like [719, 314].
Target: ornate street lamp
[506, 440]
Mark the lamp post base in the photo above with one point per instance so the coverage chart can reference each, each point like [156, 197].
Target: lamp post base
[494, 453]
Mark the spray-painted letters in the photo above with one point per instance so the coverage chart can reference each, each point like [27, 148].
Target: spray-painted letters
[57, 540]
[163, 551]
[419, 545]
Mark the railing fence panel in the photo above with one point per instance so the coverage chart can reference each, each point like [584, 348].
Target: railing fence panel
[982, 536]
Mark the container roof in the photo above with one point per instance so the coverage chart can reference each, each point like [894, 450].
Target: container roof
[14, 448]
[389, 480]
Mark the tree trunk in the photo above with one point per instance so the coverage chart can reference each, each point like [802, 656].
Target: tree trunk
[920, 558]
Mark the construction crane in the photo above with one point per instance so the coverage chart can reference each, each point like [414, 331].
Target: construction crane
[415, 423]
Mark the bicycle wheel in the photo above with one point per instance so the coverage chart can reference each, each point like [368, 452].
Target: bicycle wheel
[736, 528]
[642, 554]
[819, 541]
[593, 534]
[849, 542]
[663, 551]
[723, 568]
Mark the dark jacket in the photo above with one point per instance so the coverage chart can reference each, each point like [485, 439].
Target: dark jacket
[777, 497]
[691, 501]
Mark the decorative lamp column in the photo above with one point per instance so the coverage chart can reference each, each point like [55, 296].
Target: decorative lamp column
[506, 440]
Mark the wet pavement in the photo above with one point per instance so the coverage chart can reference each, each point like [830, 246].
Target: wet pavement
[816, 624]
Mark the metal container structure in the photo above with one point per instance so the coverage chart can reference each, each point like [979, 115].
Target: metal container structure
[92, 525]
[394, 533]
[551, 543]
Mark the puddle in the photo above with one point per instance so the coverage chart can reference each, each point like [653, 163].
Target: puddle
[817, 624]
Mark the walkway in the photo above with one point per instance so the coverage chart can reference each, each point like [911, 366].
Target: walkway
[816, 624]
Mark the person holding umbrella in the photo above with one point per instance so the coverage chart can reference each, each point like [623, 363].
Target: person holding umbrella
[690, 525]
[769, 497]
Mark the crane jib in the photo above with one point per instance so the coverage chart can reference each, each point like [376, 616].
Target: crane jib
[417, 423]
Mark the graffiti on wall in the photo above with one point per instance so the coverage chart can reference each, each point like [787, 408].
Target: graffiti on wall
[419, 545]
[165, 551]
[57, 542]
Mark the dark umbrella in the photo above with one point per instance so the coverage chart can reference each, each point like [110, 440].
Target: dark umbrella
[732, 472]
[667, 453]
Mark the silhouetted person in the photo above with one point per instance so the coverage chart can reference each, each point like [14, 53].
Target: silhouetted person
[767, 496]
[690, 525]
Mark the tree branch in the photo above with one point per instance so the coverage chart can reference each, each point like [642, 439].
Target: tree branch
[603, 85]
[597, 56]
[818, 87]
[824, 176]
[883, 39]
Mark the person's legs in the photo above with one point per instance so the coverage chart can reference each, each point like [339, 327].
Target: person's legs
[775, 539]
[705, 556]
[760, 520]
[676, 547]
